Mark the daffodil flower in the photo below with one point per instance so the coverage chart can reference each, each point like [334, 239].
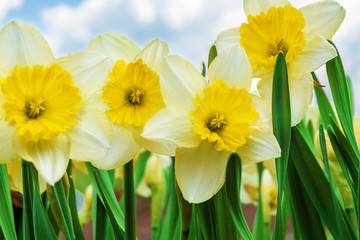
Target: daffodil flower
[131, 94]
[273, 26]
[205, 122]
[45, 116]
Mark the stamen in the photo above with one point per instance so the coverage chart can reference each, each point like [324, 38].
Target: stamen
[216, 122]
[35, 108]
[277, 47]
[135, 96]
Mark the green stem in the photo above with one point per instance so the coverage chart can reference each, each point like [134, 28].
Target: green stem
[129, 197]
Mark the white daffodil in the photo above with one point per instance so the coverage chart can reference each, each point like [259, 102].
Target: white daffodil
[205, 122]
[131, 94]
[45, 116]
[274, 26]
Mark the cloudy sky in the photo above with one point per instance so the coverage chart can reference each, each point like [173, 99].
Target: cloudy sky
[188, 26]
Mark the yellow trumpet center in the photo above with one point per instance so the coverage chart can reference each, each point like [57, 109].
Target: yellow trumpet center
[41, 102]
[223, 115]
[266, 34]
[132, 94]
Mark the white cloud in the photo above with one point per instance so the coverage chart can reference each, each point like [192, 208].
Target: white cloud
[65, 24]
[7, 5]
[143, 10]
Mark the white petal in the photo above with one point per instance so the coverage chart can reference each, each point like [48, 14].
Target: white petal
[15, 175]
[153, 53]
[315, 54]
[233, 67]
[299, 100]
[200, 172]
[323, 17]
[263, 107]
[115, 46]
[92, 135]
[261, 145]
[170, 126]
[227, 38]
[89, 71]
[50, 157]
[254, 7]
[122, 150]
[21, 44]
[180, 81]
[6, 133]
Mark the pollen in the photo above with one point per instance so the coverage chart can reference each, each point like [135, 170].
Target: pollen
[266, 34]
[34, 109]
[132, 94]
[223, 115]
[135, 96]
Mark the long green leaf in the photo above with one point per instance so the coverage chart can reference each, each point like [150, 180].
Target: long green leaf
[7, 222]
[317, 186]
[130, 205]
[233, 183]
[212, 54]
[64, 210]
[340, 91]
[28, 228]
[281, 115]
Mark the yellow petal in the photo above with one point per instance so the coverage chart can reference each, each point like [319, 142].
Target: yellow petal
[122, 150]
[170, 126]
[153, 53]
[254, 7]
[89, 71]
[323, 17]
[180, 81]
[7, 152]
[200, 172]
[92, 135]
[50, 157]
[261, 145]
[21, 44]
[115, 46]
[227, 38]
[233, 67]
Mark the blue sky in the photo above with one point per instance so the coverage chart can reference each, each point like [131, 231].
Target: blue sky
[188, 26]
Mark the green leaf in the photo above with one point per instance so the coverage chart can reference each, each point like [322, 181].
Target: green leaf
[73, 208]
[317, 186]
[64, 210]
[305, 216]
[206, 219]
[28, 228]
[233, 183]
[323, 102]
[281, 115]
[340, 91]
[185, 213]
[140, 167]
[7, 223]
[203, 71]
[212, 54]
[259, 231]
[130, 205]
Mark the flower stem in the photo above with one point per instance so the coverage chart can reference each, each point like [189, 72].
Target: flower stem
[129, 195]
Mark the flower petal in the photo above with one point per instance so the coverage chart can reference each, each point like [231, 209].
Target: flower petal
[92, 135]
[122, 150]
[50, 157]
[21, 44]
[7, 152]
[170, 126]
[323, 17]
[261, 145]
[254, 7]
[263, 107]
[227, 38]
[200, 172]
[315, 53]
[180, 81]
[89, 71]
[115, 46]
[233, 67]
[299, 100]
[153, 53]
